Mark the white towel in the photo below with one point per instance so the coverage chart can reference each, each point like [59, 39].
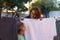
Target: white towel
[37, 29]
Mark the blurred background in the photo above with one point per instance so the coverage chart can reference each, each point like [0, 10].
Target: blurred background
[20, 8]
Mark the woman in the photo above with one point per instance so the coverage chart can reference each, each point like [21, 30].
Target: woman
[35, 13]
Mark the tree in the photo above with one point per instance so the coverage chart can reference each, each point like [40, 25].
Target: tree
[1, 5]
[45, 6]
[10, 4]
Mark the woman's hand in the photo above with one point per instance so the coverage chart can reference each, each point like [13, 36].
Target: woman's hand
[21, 19]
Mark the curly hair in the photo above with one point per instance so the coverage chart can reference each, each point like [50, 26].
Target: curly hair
[19, 26]
[37, 11]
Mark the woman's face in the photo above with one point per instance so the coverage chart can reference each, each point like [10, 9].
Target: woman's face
[33, 13]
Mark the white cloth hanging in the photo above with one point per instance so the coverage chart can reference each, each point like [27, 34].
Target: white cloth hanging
[37, 29]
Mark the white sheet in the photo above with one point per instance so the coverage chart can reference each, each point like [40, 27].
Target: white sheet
[37, 29]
